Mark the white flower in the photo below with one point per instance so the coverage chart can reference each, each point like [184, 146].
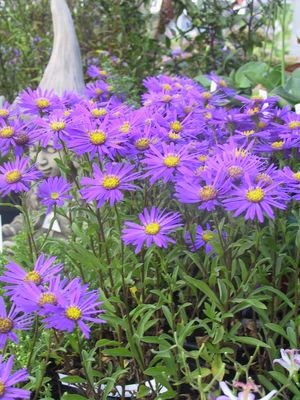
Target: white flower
[290, 360]
[245, 394]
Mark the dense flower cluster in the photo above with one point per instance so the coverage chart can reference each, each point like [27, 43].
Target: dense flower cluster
[62, 304]
[208, 152]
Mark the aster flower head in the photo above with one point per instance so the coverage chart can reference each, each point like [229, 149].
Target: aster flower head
[96, 138]
[208, 194]
[164, 163]
[108, 185]
[5, 110]
[9, 379]
[256, 199]
[155, 228]
[290, 360]
[37, 298]
[203, 238]
[15, 276]
[53, 191]
[37, 102]
[14, 135]
[77, 308]
[95, 72]
[55, 128]
[246, 393]
[11, 321]
[98, 90]
[16, 176]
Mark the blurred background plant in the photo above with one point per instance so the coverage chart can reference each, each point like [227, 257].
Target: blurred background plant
[144, 37]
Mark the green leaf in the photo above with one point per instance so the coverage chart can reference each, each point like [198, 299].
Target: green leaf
[73, 379]
[119, 352]
[276, 328]
[251, 341]
[143, 391]
[67, 396]
[204, 288]
[107, 342]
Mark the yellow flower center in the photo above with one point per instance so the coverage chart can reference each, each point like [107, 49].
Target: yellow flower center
[6, 325]
[42, 103]
[102, 72]
[2, 387]
[110, 182]
[34, 277]
[206, 95]
[188, 109]
[4, 112]
[142, 144]
[294, 124]
[235, 172]
[255, 195]
[253, 110]
[296, 176]
[277, 145]
[74, 313]
[166, 86]
[98, 112]
[207, 236]
[171, 161]
[177, 84]
[67, 113]
[208, 115]
[22, 139]
[166, 98]
[7, 132]
[174, 135]
[47, 298]
[153, 228]
[202, 157]
[199, 170]
[188, 87]
[222, 83]
[57, 126]
[54, 195]
[176, 126]
[125, 128]
[98, 91]
[262, 124]
[263, 177]
[248, 133]
[97, 137]
[207, 193]
[13, 176]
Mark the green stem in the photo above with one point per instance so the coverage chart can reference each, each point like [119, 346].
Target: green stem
[44, 368]
[35, 335]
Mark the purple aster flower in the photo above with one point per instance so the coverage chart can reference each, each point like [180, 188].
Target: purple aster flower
[77, 308]
[209, 193]
[155, 227]
[15, 276]
[55, 128]
[108, 185]
[5, 110]
[290, 360]
[53, 191]
[256, 198]
[165, 163]
[34, 297]
[16, 176]
[98, 90]
[8, 380]
[12, 321]
[94, 72]
[96, 138]
[202, 238]
[38, 102]
[245, 394]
